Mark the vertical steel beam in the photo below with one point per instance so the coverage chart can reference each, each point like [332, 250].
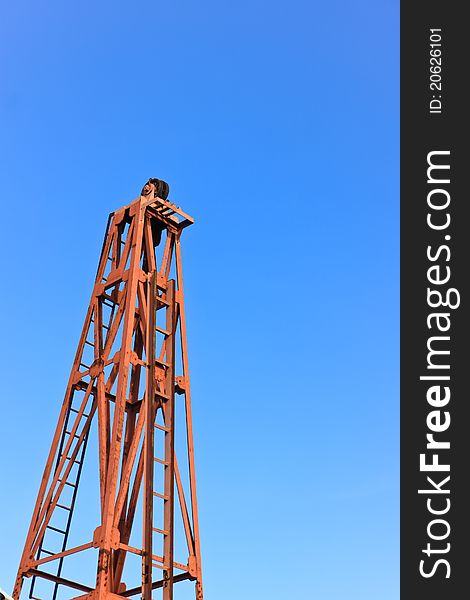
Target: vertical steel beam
[149, 403]
[169, 468]
[104, 581]
[189, 420]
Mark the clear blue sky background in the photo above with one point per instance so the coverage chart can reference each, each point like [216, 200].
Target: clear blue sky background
[276, 124]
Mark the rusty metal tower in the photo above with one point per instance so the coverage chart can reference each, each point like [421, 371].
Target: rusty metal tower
[129, 380]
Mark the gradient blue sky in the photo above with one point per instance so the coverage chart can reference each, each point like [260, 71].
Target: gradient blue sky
[276, 124]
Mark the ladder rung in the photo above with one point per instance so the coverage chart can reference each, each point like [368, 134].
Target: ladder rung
[75, 461]
[161, 330]
[56, 529]
[75, 436]
[105, 326]
[161, 427]
[77, 411]
[108, 304]
[84, 365]
[162, 362]
[164, 531]
[47, 552]
[68, 483]
[158, 495]
[159, 460]
[89, 343]
[64, 507]
[34, 597]
[160, 299]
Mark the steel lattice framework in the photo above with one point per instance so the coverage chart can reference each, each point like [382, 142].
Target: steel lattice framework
[124, 377]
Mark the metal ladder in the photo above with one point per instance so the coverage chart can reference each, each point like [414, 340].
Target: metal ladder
[73, 483]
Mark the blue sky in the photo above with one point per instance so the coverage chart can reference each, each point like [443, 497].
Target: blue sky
[276, 125]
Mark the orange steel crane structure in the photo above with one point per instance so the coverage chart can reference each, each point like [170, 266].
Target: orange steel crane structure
[124, 391]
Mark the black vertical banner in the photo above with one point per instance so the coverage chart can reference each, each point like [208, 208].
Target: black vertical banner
[435, 302]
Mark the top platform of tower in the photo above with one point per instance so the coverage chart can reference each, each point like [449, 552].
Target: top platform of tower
[153, 199]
